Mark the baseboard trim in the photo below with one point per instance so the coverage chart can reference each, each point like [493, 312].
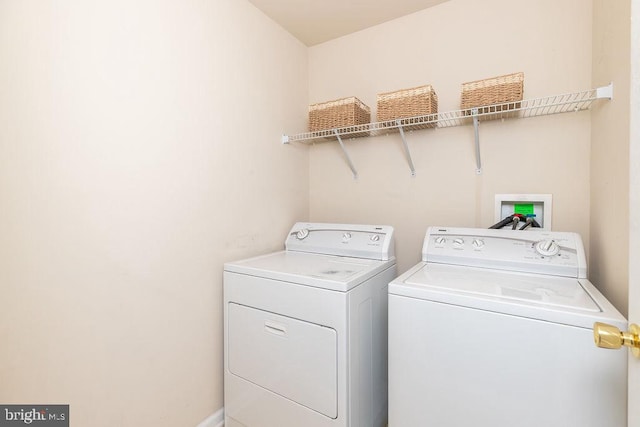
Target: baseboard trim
[214, 420]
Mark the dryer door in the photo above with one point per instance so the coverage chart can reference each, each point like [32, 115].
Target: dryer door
[290, 357]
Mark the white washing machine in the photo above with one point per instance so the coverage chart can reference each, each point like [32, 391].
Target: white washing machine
[305, 330]
[494, 329]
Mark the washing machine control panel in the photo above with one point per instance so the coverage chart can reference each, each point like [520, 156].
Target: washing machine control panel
[533, 251]
[350, 240]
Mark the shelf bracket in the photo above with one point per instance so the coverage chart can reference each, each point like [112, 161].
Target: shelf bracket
[605, 92]
[406, 148]
[346, 154]
[476, 131]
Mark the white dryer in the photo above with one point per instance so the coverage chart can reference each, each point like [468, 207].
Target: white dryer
[494, 328]
[305, 330]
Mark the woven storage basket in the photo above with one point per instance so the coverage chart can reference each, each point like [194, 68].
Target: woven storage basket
[496, 90]
[413, 102]
[337, 114]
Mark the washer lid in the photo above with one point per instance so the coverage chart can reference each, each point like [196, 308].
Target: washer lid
[550, 298]
[322, 271]
[520, 288]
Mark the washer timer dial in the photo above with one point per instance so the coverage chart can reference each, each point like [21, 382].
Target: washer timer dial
[547, 248]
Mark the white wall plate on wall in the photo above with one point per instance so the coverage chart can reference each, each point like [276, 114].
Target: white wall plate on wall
[538, 205]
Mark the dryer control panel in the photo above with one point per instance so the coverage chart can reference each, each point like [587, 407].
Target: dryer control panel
[350, 240]
[532, 251]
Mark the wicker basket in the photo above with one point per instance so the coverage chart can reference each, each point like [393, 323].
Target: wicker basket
[337, 114]
[496, 90]
[413, 102]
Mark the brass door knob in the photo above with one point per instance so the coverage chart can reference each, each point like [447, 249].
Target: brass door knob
[608, 336]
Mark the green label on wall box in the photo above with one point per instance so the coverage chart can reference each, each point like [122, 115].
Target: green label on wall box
[523, 208]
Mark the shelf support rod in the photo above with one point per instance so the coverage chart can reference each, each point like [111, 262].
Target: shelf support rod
[346, 154]
[476, 131]
[406, 148]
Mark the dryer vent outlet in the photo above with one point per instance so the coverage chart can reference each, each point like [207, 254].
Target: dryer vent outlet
[538, 205]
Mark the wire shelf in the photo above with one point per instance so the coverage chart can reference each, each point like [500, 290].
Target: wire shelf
[565, 103]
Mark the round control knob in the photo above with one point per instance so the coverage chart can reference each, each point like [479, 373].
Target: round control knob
[375, 238]
[458, 241]
[440, 240]
[547, 248]
[301, 234]
[477, 243]
[346, 236]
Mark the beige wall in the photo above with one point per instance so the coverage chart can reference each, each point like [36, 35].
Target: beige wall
[455, 42]
[609, 261]
[139, 150]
